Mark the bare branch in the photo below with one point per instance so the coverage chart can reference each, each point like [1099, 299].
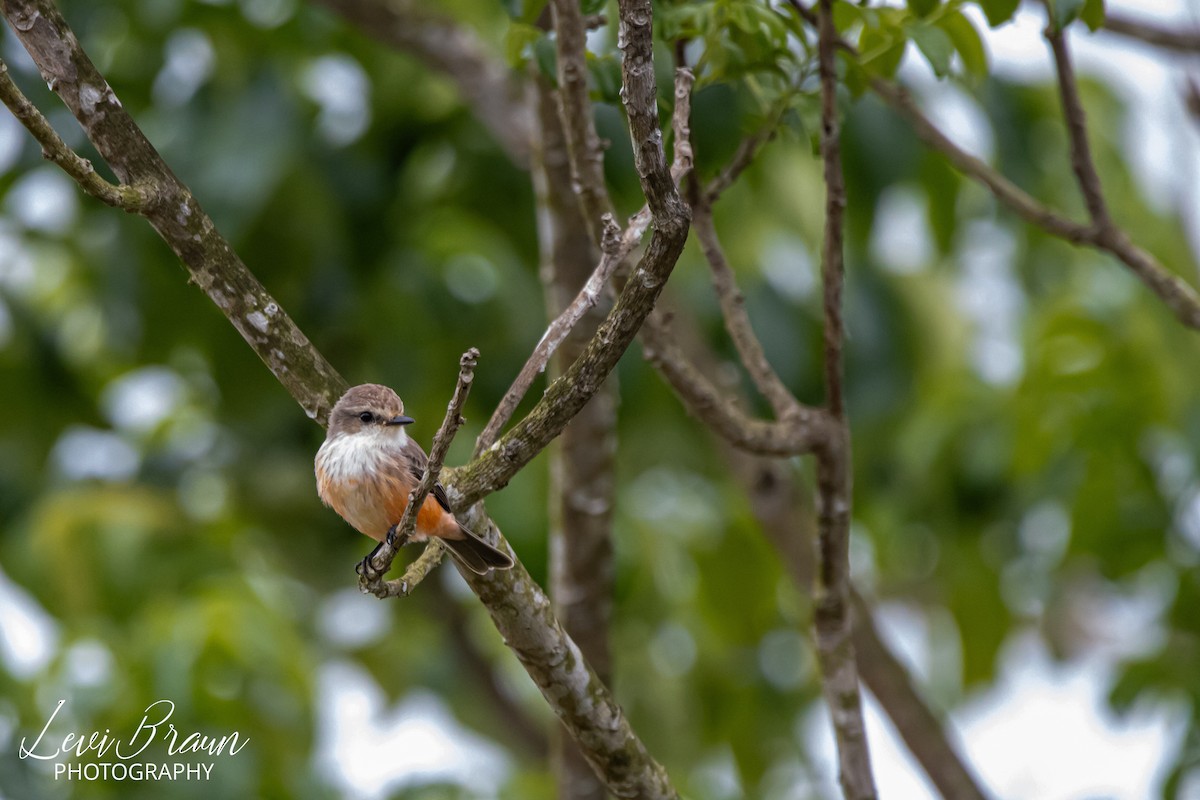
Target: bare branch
[743, 157]
[566, 395]
[681, 125]
[835, 645]
[925, 735]
[1182, 40]
[798, 434]
[778, 503]
[129, 198]
[555, 334]
[491, 90]
[173, 211]
[737, 320]
[615, 248]
[1081, 152]
[517, 721]
[583, 144]
[1007, 192]
[371, 580]
[1176, 294]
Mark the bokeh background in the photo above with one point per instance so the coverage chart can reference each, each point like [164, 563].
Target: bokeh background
[1026, 422]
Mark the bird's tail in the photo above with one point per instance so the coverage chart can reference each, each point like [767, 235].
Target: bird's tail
[475, 554]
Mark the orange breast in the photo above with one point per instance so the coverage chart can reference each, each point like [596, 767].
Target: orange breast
[373, 505]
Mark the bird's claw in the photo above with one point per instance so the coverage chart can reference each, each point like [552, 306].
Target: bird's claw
[367, 568]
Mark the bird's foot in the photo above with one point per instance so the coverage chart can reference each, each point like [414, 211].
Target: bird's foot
[395, 542]
[370, 568]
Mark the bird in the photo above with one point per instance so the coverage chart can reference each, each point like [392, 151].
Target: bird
[368, 465]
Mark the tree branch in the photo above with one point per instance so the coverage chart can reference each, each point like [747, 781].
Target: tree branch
[1176, 294]
[172, 209]
[795, 436]
[371, 578]
[1182, 40]
[778, 505]
[615, 247]
[566, 395]
[555, 334]
[1081, 152]
[737, 320]
[578, 123]
[55, 150]
[747, 150]
[835, 645]
[492, 92]
[524, 728]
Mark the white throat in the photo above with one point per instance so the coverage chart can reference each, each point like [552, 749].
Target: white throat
[353, 455]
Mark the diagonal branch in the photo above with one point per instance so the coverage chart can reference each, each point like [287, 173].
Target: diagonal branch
[1172, 290]
[54, 149]
[1182, 40]
[371, 580]
[172, 210]
[492, 92]
[670, 217]
[556, 333]
[615, 247]
[737, 320]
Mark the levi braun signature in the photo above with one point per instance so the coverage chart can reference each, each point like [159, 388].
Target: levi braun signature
[155, 726]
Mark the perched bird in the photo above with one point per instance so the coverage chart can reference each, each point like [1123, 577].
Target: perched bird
[368, 465]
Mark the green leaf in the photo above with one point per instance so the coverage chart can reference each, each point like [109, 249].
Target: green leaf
[845, 15]
[999, 11]
[518, 43]
[593, 6]
[546, 57]
[966, 41]
[881, 51]
[1093, 14]
[1064, 12]
[606, 78]
[935, 45]
[856, 81]
[923, 8]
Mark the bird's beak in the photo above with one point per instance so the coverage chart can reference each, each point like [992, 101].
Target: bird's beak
[400, 420]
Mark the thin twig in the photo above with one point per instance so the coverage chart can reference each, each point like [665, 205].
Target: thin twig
[1081, 151]
[743, 157]
[493, 468]
[613, 254]
[682, 158]
[371, 580]
[796, 435]
[129, 198]
[737, 320]
[1184, 40]
[583, 143]
[835, 645]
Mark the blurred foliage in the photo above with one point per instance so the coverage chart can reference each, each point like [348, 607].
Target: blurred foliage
[1025, 415]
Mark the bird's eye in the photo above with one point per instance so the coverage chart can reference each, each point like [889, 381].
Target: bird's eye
[367, 416]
